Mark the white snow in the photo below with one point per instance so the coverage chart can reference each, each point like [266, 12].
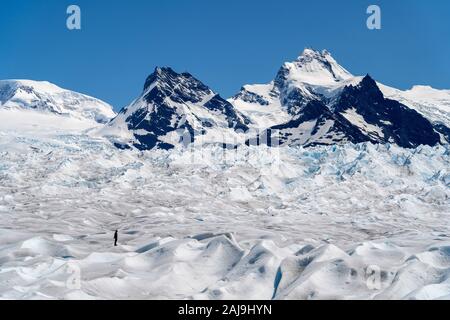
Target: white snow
[432, 103]
[358, 120]
[33, 122]
[339, 222]
[316, 68]
[262, 116]
[48, 98]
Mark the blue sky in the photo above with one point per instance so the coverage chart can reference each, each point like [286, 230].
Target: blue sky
[224, 43]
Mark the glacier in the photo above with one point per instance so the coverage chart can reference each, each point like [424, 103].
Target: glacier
[355, 221]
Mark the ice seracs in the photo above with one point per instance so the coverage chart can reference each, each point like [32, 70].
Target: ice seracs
[46, 97]
[234, 225]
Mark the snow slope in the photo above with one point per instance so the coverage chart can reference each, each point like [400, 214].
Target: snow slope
[33, 122]
[47, 97]
[342, 222]
[316, 69]
[434, 104]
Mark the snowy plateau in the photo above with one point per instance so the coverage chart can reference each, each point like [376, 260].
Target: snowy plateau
[354, 203]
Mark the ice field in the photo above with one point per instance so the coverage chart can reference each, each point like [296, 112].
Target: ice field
[355, 222]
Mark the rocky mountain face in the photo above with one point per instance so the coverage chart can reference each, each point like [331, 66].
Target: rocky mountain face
[175, 108]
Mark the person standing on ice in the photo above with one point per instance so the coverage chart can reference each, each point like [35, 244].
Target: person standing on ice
[115, 238]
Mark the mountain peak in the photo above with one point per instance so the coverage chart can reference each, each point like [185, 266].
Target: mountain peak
[314, 68]
[354, 109]
[311, 53]
[368, 81]
[174, 102]
[164, 70]
[168, 71]
[369, 85]
[160, 74]
[165, 82]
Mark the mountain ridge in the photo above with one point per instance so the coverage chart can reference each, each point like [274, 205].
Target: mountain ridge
[312, 100]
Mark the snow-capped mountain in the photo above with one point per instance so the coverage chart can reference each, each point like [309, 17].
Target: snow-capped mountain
[313, 76]
[175, 108]
[311, 101]
[383, 120]
[317, 101]
[49, 98]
